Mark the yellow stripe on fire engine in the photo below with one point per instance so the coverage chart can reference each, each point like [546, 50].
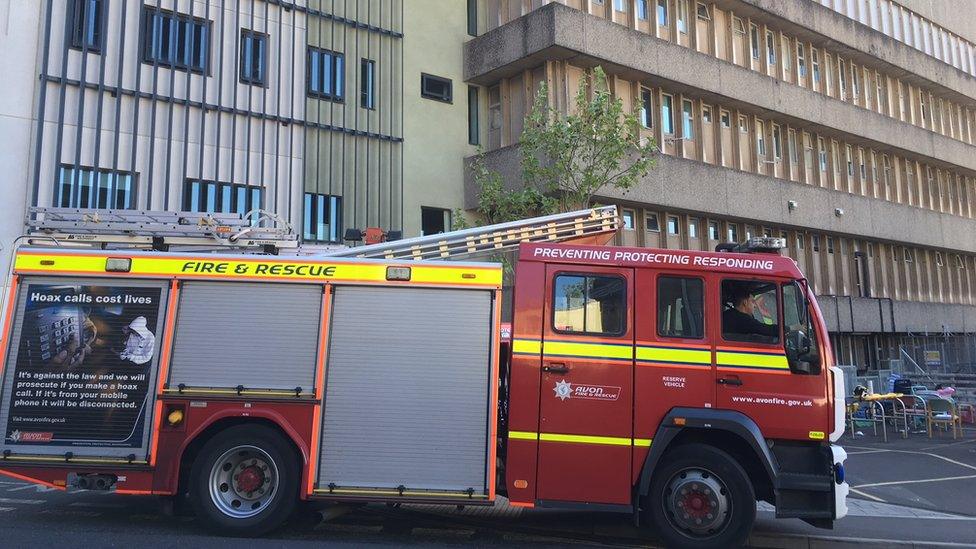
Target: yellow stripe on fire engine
[259, 268]
[579, 439]
[681, 356]
[752, 360]
[527, 346]
[589, 350]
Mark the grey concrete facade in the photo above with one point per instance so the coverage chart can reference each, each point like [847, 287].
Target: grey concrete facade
[694, 186]
[558, 32]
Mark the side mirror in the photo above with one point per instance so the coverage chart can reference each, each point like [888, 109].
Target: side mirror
[798, 353]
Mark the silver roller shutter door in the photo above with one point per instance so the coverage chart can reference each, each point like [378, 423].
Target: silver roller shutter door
[407, 389]
[258, 335]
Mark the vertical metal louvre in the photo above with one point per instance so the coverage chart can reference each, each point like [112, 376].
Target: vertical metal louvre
[407, 391]
[255, 335]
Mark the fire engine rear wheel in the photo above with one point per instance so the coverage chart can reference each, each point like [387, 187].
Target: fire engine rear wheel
[700, 497]
[245, 481]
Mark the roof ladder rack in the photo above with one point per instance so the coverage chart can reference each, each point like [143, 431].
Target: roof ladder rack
[158, 230]
[594, 222]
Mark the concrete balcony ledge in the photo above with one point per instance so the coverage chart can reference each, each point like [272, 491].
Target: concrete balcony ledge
[860, 40]
[688, 185]
[558, 32]
[882, 315]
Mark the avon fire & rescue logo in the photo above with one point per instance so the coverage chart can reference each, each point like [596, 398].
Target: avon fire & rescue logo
[565, 390]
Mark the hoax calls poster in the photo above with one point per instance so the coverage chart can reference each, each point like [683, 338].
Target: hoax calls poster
[85, 357]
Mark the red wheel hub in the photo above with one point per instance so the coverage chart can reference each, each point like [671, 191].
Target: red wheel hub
[250, 479]
[696, 505]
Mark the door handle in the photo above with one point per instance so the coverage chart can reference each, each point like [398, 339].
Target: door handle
[732, 380]
[556, 368]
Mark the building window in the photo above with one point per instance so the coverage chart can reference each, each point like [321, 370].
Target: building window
[909, 255]
[627, 218]
[725, 119]
[662, 12]
[667, 116]
[651, 223]
[822, 153]
[770, 48]
[754, 40]
[641, 9]
[706, 114]
[850, 160]
[777, 143]
[801, 59]
[673, 228]
[743, 124]
[815, 61]
[620, 5]
[86, 19]
[472, 17]
[434, 221]
[855, 81]
[254, 57]
[680, 307]
[175, 40]
[367, 79]
[692, 227]
[842, 69]
[323, 218]
[79, 187]
[436, 88]
[794, 152]
[702, 10]
[646, 117]
[761, 138]
[938, 259]
[799, 241]
[326, 70]
[816, 242]
[216, 197]
[687, 119]
[683, 16]
[733, 233]
[830, 244]
[474, 125]
[713, 230]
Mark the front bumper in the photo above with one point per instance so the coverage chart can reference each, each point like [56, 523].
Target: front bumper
[841, 488]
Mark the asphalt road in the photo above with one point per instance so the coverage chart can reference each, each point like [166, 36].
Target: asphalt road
[912, 489]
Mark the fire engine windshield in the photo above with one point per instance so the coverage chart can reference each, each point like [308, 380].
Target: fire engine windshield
[750, 311]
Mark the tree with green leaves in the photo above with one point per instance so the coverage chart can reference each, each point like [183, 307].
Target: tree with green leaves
[568, 157]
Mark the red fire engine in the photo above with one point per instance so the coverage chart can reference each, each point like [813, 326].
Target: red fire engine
[680, 387]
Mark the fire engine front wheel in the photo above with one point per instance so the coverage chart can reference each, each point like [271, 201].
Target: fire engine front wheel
[245, 481]
[700, 497]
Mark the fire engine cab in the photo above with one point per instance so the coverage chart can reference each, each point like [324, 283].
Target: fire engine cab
[679, 387]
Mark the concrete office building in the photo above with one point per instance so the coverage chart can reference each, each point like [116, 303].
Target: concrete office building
[846, 126]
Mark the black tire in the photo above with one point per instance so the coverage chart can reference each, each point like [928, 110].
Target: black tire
[701, 479]
[267, 464]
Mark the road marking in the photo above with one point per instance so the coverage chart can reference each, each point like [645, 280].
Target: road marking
[899, 482]
[36, 487]
[867, 452]
[96, 505]
[867, 495]
[25, 501]
[3, 509]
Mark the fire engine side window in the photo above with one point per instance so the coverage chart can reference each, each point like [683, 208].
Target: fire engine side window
[750, 311]
[585, 304]
[680, 306]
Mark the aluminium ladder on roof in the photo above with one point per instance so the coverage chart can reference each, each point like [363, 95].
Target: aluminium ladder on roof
[159, 229]
[493, 238]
